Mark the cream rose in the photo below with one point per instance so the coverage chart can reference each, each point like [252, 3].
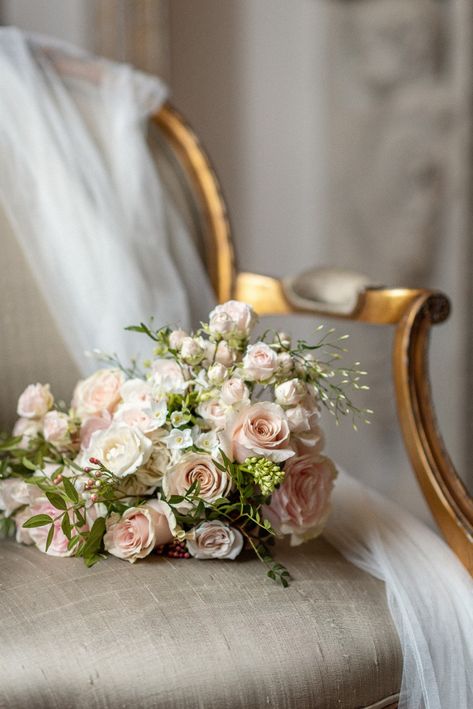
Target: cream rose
[35, 401]
[120, 448]
[214, 540]
[98, 393]
[232, 318]
[136, 391]
[196, 467]
[260, 362]
[139, 530]
[234, 391]
[301, 505]
[137, 416]
[56, 428]
[260, 429]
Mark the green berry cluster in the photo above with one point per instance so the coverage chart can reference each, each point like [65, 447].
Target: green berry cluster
[267, 475]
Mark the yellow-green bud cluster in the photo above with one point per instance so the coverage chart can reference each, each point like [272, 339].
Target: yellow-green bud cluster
[267, 475]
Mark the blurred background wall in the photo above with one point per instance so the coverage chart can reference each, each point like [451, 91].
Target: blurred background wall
[341, 132]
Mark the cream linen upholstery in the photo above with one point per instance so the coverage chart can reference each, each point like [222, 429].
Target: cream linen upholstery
[31, 348]
[186, 634]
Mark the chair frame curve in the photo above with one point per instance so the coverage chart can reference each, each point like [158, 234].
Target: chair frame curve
[413, 312]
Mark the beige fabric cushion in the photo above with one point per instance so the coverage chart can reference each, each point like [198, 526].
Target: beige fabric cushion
[31, 348]
[186, 634]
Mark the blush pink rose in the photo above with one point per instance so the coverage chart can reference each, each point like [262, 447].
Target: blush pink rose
[139, 530]
[224, 354]
[232, 318]
[214, 540]
[214, 412]
[260, 362]
[56, 428]
[38, 535]
[235, 391]
[259, 430]
[35, 401]
[98, 393]
[301, 505]
[196, 467]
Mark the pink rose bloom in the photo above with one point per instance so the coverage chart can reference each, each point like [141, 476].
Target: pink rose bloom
[35, 401]
[290, 393]
[56, 428]
[213, 412]
[260, 362]
[214, 540]
[39, 535]
[91, 425]
[259, 430]
[196, 467]
[301, 505]
[139, 530]
[98, 393]
[235, 391]
[232, 318]
[27, 429]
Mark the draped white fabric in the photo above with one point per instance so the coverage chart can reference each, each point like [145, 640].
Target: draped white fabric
[84, 198]
[87, 208]
[430, 594]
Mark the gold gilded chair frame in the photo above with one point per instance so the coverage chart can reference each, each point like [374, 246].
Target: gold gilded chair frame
[413, 312]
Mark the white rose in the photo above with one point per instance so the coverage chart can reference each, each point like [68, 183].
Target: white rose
[168, 376]
[120, 448]
[290, 393]
[214, 540]
[260, 362]
[134, 415]
[136, 391]
[35, 401]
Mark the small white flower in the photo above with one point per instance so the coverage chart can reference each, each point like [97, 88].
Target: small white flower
[179, 418]
[159, 410]
[178, 439]
[207, 441]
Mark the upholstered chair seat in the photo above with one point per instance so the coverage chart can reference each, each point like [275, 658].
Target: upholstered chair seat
[186, 633]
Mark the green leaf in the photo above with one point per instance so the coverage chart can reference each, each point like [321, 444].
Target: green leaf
[50, 537]
[56, 500]
[175, 499]
[70, 490]
[72, 542]
[28, 464]
[80, 519]
[37, 521]
[94, 540]
[66, 525]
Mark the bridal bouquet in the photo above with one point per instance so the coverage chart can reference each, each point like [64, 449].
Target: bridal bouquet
[213, 447]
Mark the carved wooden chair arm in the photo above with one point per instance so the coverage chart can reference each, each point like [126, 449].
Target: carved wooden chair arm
[351, 296]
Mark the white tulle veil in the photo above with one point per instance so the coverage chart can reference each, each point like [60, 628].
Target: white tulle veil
[82, 193]
[87, 208]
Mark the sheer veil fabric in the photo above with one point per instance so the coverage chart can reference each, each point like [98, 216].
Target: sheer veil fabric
[87, 207]
[80, 188]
